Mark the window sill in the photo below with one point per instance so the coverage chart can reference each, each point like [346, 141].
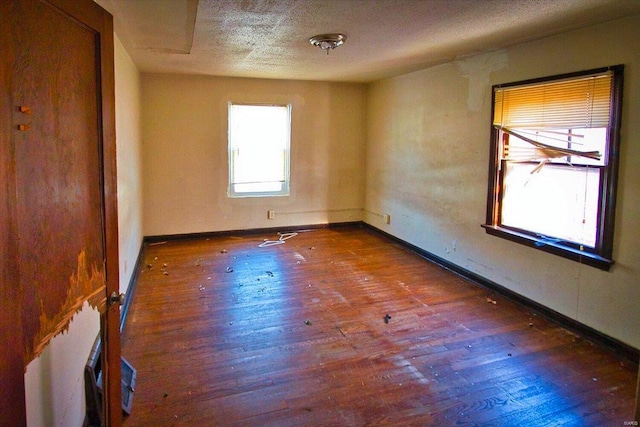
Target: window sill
[255, 195]
[555, 248]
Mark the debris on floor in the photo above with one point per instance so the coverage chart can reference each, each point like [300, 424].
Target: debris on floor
[491, 301]
[281, 239]
[268, 243]
[164, 269]
[387, 318]
[229, 270]
[285, 236]
[307, 322]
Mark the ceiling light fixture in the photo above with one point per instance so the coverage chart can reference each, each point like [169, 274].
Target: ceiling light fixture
[328, 41]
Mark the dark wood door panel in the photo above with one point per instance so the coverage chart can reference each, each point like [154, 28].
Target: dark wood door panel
[58, 172]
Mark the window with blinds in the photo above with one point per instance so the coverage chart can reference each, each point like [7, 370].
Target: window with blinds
[554, 159]
[259, 141]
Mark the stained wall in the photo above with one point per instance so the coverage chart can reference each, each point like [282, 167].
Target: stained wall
[427, 157]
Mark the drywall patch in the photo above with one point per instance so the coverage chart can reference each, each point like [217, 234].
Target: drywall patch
[478, 69]
[170, 30]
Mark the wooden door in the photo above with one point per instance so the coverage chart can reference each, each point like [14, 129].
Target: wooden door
[58, 170]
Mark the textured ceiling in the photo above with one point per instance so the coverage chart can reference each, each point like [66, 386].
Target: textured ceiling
[270, 38]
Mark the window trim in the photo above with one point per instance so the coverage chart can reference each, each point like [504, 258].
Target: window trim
[601, 256]
[286, 184]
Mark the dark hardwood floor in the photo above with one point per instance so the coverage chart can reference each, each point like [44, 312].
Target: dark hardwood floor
[223, 332]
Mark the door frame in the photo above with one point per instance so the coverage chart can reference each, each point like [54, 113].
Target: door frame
[12, 403]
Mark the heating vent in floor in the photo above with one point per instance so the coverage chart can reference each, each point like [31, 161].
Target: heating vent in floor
[93, 386]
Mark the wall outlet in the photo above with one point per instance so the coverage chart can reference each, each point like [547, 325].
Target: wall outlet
[386, 218]
[271, 214]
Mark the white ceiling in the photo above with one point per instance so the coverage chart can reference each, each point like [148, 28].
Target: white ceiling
[270, 38]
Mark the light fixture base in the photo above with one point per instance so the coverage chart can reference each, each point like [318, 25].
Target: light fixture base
[328, 41]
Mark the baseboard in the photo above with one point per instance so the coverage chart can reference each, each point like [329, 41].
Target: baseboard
[559, 319]
[133, 280]
[244, 232]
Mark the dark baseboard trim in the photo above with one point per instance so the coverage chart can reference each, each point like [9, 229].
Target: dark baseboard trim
[124, 310]
[247, 232]
[560, 319]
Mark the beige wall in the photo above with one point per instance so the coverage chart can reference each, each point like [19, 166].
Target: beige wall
[129, 163]
[184, 122]
[427, 162]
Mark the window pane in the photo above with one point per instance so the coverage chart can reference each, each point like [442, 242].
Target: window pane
[253, 126]
[556, 201]
[577, 102]
[584, 140]
[258, 150]
[258, 165]
[258, 187]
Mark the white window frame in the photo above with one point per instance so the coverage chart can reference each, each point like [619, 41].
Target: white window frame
[280, 152]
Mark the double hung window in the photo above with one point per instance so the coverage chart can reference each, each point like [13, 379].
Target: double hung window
[554, 161]
[259, 141]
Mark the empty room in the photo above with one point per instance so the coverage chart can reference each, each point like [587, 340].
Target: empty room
[320, 212]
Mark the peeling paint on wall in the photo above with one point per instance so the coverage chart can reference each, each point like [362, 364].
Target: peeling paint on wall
[478, 69]
[87, 284]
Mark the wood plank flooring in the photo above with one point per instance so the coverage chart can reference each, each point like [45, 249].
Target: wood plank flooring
[226, 333]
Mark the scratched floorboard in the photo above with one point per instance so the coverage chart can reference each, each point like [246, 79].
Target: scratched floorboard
[223, 332]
